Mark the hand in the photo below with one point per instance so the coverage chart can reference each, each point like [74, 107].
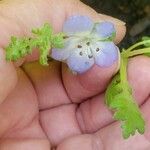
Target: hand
[47, 107]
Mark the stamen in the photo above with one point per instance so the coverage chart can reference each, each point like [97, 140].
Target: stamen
[97, 49]
[88, 43]
[79, 46]
[87, 63]
[80, 53]
[65, 37]
[90, 56]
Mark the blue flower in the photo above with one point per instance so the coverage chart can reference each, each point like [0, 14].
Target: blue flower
[87, 43]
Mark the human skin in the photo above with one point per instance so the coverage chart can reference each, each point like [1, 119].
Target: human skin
[49, 107]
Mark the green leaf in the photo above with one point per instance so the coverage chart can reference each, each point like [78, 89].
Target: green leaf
[119, 98]
[19, 47]
[43, 39]
[58, 40]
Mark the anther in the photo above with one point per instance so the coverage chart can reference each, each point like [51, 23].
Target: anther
[80, 53]
[90, 56]
[79, 46]
[65, 37]
[97, 49]
[88, 43]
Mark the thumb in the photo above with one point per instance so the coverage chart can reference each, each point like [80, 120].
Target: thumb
[82, 86]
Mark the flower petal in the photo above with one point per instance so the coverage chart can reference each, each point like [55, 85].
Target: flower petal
[60, 54]
[105, 53]
[104, 29]
[79, 63]
[63, 53]
[76, 24]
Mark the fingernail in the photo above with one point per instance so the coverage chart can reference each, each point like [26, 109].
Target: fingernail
[118, 22]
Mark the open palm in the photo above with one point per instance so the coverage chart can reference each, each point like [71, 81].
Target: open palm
[49, 107]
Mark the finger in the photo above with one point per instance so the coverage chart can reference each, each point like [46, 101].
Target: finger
[82, 86]
[120, 31]
[24, 144]
[88, 142]
[93, 114]
[26, 15]
[47, 83]
[60, 123]
[108, 138]
[137, 142]
[8, 77]
[14, 114]
[145, 110]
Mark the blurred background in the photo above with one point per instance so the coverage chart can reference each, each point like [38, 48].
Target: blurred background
[136, 14]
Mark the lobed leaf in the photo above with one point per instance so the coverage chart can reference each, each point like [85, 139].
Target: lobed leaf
[119, 98]
[43, 39]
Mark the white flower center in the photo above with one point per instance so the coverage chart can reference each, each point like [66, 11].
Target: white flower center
[87, 48]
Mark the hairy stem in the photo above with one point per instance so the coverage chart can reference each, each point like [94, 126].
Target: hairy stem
[123, 69]
[137, 52]
[137, 44]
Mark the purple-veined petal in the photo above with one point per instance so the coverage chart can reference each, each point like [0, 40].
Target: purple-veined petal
[76, 24]
[63, 53]
[105, 53]
[78, 63]
[104, 29]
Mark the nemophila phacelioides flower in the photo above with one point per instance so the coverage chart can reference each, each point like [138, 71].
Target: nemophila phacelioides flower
[87, 43]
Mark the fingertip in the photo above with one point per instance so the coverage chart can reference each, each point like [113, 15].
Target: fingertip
[120, 33]
[82, 9]
[112, 19]
[120, 26]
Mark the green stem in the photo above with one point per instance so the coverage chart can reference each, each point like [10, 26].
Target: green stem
[136, 52]
[123, 69]
[124, 59]
[138, 44]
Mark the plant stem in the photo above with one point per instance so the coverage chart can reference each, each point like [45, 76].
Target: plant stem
[123, 69]
[136, 52]
[138, 44]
